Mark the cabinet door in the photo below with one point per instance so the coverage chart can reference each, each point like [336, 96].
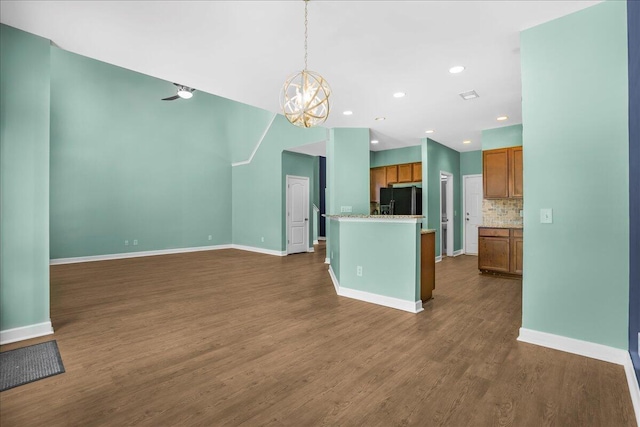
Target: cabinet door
[515, 172]
[417, 172]
[493, 254]
[516, 255]
[391, 174]
[377, 181]
[495, 173]
[427, 265]
[405, 173]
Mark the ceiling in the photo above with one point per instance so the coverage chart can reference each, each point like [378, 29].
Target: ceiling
[367, 50]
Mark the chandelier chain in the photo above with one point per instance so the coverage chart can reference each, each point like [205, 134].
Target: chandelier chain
[306, 23]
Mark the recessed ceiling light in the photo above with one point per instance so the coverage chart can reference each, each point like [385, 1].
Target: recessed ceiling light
[347, 113]
[429, 131]
[468, 141]
[457, 69]
[379, 119]
[399, 95]
[502, 118]
[374, 141]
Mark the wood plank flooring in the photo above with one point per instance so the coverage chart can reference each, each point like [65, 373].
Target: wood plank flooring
[237, 338]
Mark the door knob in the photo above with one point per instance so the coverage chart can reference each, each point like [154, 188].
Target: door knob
[306, 219]
[467, 219]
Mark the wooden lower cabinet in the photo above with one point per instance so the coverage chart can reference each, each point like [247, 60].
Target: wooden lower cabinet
[427, 265]
[500, 250]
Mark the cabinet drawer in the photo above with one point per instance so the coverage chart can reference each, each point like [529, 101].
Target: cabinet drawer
[517, 232]
[493, 232]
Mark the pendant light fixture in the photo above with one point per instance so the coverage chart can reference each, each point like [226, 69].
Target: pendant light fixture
[304, 98]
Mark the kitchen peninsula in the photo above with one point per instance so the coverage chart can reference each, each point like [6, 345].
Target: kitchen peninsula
[377, 258]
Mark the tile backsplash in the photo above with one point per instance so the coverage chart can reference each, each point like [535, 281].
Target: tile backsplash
[501, 212]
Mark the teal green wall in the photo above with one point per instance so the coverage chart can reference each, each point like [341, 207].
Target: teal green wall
[391, 273]
[298, 165]
[127, 166]
[348, 170]
[396, 156]
[508, 136]
[471, 163]
[439, 158]
[576, 142]
[257, 186]
[24, 179]
[333, 246]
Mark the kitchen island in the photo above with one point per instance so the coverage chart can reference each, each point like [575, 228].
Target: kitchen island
[377, 258]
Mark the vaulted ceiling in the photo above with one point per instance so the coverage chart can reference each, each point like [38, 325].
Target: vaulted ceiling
[367, 50]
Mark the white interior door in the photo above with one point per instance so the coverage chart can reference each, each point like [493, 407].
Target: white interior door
[297, 214]
[473, 212]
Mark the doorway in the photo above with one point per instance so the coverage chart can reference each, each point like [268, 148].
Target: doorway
[472, 208]
[297, 214]
[447, 223]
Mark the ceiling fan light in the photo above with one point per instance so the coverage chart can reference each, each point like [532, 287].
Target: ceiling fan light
[184, 93]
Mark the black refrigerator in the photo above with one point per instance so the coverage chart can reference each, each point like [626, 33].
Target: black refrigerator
[401, 201]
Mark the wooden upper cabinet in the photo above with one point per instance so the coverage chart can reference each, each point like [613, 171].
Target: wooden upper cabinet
[515, 172]
[405, 173]
[417, 172]
[391, 174]
[502, 173]
[377, 180]
[495, 173]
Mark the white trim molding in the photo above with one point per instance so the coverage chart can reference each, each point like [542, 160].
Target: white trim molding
[458, 253]
[255, 149]
[315, 242]
[411, 219]
[588, 349]
[25, 332]
[322, 238]
[311, 249]
[439, 258]
[399, 304]
[327, 260]
[259, 250]
[107, 257]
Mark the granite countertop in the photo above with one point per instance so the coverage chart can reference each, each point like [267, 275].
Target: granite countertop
[517, 226]
[376, 216]
[427, 231]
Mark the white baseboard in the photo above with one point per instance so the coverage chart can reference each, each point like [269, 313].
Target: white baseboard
[315, 242]
[310, 250]
[588, 349]
[107, 257]
[327, 260]
[259, 250]
[458, 253]
[399, 304]
[322, 238]
[634, 388]
[439, 258]
[26, 332]
[334, 279]
[572, 345]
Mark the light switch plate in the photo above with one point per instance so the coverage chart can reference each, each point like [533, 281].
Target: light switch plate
[546, 216]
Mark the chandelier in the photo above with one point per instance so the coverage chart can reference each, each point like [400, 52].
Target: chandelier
[304, 98]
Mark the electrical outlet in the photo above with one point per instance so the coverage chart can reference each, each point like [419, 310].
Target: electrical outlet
[331, 254]
[359, 271]
[210, 237]
[262, 238]
[135, 242]
[546, 216]
[126, 243]
[346, 209]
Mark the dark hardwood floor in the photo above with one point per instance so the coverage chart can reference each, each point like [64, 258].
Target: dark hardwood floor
[236, 338]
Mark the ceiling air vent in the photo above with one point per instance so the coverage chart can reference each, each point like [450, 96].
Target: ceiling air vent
[469, 95]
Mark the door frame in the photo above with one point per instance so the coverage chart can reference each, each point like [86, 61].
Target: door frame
[464, 208]
[451, 228]
[288, 217]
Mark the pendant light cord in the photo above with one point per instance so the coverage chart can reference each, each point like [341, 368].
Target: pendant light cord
[306, 23]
